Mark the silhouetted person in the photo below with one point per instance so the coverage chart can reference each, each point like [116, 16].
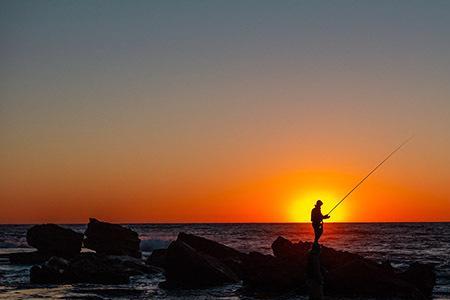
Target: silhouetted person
[317, 220]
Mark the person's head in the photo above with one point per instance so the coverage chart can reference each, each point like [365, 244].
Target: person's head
[319, 203]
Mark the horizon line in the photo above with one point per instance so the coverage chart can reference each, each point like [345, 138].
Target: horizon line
[226, 223]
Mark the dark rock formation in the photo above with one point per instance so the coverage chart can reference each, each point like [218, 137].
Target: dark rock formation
[54, 240]
[187, 268]
[131, 265]
[90, 268]
[111, 239]
[53, 271]
[330, 258]
[314, 274]
[27, 258]
[196, 262]
[358, 277]
[422, 276]
[94, 268]
[157, 258]
[232, 258]
[351, 274]
[209, 247]
[269, 273]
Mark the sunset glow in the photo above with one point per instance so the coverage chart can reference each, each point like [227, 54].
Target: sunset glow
[233, 112]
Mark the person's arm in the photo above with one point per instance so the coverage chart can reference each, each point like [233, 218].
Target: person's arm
[326, 217]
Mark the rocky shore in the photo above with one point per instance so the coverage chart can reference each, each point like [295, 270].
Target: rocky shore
[196, 262]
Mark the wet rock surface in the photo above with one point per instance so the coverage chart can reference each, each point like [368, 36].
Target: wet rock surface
[188, 268]
[157, 258]
[54, 240]
[90, 268]
[269, 273]
[27, 258]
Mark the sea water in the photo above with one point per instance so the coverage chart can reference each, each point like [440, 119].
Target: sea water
[400, 243]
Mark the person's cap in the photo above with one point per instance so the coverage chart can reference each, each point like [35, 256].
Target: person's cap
[319, 202]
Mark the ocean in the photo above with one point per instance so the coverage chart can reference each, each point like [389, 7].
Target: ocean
[400, 243]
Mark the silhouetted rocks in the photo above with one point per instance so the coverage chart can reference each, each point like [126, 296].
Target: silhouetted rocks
[232, 258]
[111, 239]
[186, 267]
[94, 268]
[196, 262]
[28, 258]
[53, 271]
[54, 240]
[329, 257]
[157, 258]
[269, 273]
[209, 247]
[90, 268]
[358, 277]
[350, 274]
[422, 276]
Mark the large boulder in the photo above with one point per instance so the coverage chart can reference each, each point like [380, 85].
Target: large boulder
[283, 248]
[131, 265]
[27, 258]
[349, 274]
[53, 271]
[54, 240]
[90, 268]
[157, 258]
[226, 255]
[111, 239]
[329, 257]
[422, 276]
[269, 273]
[209, 247]
[187, 268]
[94, 268]
[358, 277]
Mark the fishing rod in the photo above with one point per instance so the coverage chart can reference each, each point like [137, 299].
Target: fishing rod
[370, 173]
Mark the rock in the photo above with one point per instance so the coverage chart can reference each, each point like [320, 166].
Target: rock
[187, 268]
[53, 271]
[209, 247]
[329, 257]
[350, 274]
[226, 255]
[111, 239]
[358, 277]
[90, 268]
[27, 258]
[131, 265]
[266, 272]
[315, 274]
[157, 258]
[283, 248]
[422, 276]
[94, 268]
[54, 240]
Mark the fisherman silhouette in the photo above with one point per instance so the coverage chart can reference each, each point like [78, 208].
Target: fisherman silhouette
[317, 221]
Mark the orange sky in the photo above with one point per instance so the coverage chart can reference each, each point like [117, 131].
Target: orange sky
[223, 112]
[261, 187]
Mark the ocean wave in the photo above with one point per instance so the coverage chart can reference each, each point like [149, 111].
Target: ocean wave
[4, 244]
[149, 245]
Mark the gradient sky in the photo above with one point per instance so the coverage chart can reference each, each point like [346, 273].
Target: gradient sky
[223, 111]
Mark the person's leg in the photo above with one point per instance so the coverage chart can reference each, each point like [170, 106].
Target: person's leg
[319, 232]
[316, 233]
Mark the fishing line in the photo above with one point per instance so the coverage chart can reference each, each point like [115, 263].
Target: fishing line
[370, 173]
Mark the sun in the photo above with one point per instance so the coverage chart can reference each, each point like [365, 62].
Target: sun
[301, 203]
